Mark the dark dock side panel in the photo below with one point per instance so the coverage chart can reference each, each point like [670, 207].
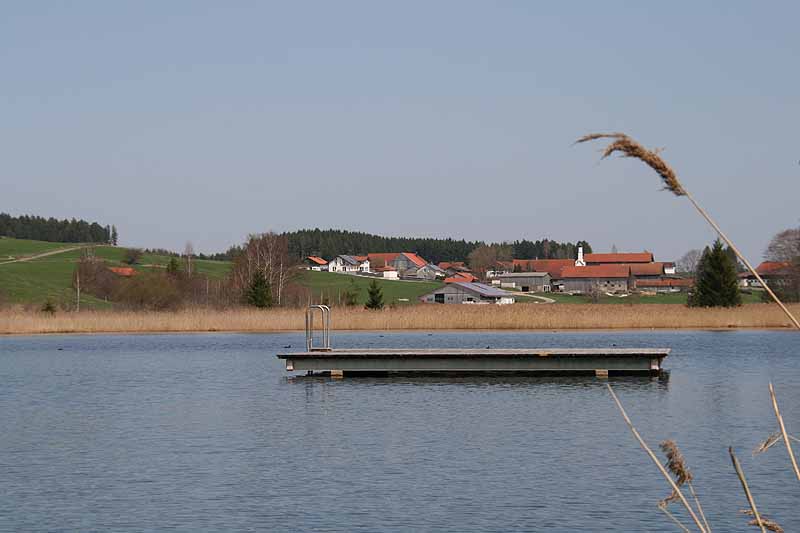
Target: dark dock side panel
[599, 361]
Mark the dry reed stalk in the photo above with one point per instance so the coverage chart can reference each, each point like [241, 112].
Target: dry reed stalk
[677, 465]
[14, 320]
[768, 523]
[740, 473]
[662, 506]
[630, 148]
[652, 455]
[771, 441]
[783, 431]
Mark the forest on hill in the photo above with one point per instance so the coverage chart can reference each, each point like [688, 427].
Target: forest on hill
[53, 230]
[330, 243]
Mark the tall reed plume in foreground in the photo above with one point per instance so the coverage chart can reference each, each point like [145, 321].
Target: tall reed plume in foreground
[676, 464]
[628, 147]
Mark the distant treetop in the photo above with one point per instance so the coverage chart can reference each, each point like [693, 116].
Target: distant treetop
[332, 242]
[53, 230]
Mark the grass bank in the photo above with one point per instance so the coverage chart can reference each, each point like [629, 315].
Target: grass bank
[420, 317]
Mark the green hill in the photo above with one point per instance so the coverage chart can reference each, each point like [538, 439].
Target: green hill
[11, 249]
[28, 279]
[329, 286]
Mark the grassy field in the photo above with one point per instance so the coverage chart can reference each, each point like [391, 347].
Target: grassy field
[18, 248]
[50, 278]
[425, 317]
[329, 286]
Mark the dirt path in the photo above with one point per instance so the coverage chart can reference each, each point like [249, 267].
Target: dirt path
[43, 254]
[544, 299]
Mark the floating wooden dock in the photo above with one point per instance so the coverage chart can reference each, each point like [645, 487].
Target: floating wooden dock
[597, 361]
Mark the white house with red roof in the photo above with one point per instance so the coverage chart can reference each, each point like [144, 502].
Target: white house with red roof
[316, 263]
[349, 264]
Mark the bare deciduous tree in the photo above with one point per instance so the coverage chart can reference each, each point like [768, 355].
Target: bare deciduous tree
[688, 262]
[268, 253]
[188, 252]
[485, 257]
[784, 247]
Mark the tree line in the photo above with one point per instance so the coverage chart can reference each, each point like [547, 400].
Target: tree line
[332, 242]
[53, 230]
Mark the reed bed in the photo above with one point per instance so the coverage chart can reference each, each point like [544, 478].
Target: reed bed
[419, 317]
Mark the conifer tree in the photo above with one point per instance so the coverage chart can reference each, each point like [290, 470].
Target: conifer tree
[716, 283]
[114, 235]
[374, 296]
[259, 293]
[173, 267]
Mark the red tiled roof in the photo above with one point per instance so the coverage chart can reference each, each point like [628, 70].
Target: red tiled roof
[637, 257]
[317, 260]
[360, 258]
[683, 282]
[647, 269]
[123, 271]
[389, 257]
[772, 267]
[461, 277]
[444, 265]
[596, 271]
[385, 269]
[417, 260]
[384, 258]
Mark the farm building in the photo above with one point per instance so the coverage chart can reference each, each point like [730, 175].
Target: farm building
[386, 272]
[551, 266]
[621, 258]
[316, 263]
[430, 272]
[453, 267]
[649, 270]
[349, 264]
[664, 285]
[406, 263]
[461, 277]
[525, 281]
[606, 278]
[775, 273]
[468, 293]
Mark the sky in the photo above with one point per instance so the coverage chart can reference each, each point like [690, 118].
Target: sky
[207, 121]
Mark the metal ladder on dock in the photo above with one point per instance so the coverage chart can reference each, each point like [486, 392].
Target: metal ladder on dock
[325, 318]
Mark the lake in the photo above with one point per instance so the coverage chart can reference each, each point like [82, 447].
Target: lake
[209, 432]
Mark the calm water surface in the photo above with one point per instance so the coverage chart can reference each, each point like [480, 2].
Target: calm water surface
[207, 433]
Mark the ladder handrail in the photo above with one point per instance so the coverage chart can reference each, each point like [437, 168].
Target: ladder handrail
[325, 315]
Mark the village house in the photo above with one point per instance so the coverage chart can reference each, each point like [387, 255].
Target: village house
[461, 277]
[349, 264]
[775, 273]
[406, 264]
[614, 258]
[387, 272]
[664, 285]
[524, 281]
[468, 293]
[453, 267]
[605, 278]
[316, 263]
[430, 272]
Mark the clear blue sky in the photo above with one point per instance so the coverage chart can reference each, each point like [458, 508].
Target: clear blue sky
[206, 121]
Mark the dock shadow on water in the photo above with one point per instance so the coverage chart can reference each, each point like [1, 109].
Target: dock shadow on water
[485, 379]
